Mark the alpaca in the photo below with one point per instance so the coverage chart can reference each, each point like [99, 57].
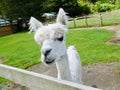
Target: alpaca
[53, 51]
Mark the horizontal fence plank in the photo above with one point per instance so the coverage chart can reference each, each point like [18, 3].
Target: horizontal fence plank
[36, 81]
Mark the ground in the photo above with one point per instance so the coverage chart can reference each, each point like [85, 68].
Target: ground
[101, 75]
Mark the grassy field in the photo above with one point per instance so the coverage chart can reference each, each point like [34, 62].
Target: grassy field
[21, 51]
[108, 18]
[92, 47]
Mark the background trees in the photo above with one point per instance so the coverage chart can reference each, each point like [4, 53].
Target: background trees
[21, 8]
[26, 8]
[70, 6]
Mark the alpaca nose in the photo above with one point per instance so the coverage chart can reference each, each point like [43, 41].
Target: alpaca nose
[47, 52]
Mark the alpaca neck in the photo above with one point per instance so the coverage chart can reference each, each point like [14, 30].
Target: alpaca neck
[63, 68]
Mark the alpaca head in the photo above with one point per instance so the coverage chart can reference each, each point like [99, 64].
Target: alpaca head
[51, 38]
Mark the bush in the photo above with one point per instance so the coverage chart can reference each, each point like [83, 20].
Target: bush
[117, 4]
[102, 7]
[84, 7]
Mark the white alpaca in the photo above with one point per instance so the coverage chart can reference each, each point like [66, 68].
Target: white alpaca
[53, 50]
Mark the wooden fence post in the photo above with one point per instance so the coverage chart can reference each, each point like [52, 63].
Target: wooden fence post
[101, 20]
[74, 22]
[86, 20]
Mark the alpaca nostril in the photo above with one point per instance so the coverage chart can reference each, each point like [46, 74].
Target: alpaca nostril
[47, 52]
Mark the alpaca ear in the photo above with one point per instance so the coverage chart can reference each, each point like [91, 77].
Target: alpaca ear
[34, 24]
[62, 18]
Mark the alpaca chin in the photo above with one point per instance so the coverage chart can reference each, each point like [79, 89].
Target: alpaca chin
[47, 61]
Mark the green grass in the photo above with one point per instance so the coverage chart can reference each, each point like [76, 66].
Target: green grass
[92, 47]
[21, 51]
[109, 18]
[118, 70]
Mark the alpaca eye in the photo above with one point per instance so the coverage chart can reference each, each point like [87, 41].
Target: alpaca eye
[60, 39]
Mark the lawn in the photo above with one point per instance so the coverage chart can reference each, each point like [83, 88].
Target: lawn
[21, 51]
[92, 47]
[108, 18]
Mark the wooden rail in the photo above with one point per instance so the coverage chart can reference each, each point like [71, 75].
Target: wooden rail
[36, 81]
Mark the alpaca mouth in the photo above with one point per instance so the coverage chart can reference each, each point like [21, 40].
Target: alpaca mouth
[49, 61]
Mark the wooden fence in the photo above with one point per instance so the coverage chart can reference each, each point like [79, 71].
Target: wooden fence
[100, 19]
[35, 81]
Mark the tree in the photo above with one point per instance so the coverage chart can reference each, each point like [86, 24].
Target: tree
[70, 6]
[27, 8]
[3, 7]
[92, 1]
[22, 8]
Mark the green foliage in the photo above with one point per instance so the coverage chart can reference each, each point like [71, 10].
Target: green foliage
[84, 7]
[102, 1]
[21, 8]
[27, 8]
[3, 7]
[92, 1]
[117, 4]
[102, 7]
[74, 7]
[118, 70]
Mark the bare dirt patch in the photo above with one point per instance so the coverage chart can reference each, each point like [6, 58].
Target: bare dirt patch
[116, 29]
[102, 75]
[3, 60]
[116, 41]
